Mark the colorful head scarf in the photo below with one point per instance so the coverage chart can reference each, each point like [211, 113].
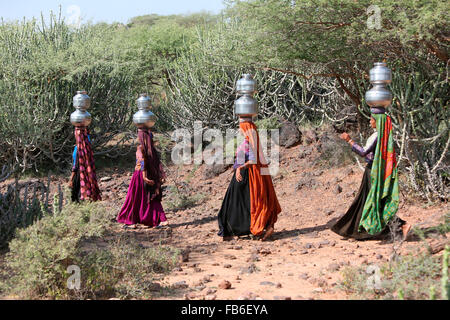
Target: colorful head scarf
[264, 205]
[383, 198]
[88, 180]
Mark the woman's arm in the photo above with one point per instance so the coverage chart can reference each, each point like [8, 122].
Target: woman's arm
[356, 147]
[146, 179]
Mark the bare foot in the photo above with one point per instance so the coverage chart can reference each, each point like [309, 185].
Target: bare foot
[405, 229]
[164, 223]
[268, 234]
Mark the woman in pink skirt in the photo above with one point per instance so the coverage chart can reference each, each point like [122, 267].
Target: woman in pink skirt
[143, 202]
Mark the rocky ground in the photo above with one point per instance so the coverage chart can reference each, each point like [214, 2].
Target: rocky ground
[303, 260]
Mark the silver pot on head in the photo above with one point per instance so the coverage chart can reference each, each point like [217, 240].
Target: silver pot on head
[81, 118]
[144, 118]
[246, 105]
[246, 85]
[379, 96]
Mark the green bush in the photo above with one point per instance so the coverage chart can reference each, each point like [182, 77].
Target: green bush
[411, 277]
[36, 266]
[23, 204]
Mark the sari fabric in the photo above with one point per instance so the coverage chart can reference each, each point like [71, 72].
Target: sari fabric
[264, 205]
[88, 180]
[152, 163]
[383, 199]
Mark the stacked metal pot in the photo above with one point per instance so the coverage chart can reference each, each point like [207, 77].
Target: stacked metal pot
[246, 105]
[144, 118]
[81, 102]
[379, 96]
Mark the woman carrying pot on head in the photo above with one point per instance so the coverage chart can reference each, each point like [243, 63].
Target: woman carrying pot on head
[143, 202]
[250, 204]
[83, 180]
[373, 212]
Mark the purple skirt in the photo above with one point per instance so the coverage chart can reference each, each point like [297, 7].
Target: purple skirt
[137, 209]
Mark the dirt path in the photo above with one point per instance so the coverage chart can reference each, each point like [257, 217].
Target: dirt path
[304, 259]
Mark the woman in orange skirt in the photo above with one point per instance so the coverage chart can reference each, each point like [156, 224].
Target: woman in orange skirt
[263, 204]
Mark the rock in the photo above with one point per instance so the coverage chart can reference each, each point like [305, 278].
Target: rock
[379, 256]
[210, 291]
[178, 269]
[267, 283]
[237, 247]
[281, 298]
[210, 297]
[206, 279]
[309, 246]
[306, 182]
[333, 267]
[227, 265]
[305, 152]
[250, 269]
[248, 296]
[289, 134]
[337, 189]
[155, 287]
[104, 179]
[324, 242]
[318, 290]
[225, 285]
[197, 269]
[309, 136]
[237, 278]
[200, 287]
[304, 252]
[190, 296]
[217, 168]
[278, 285]
[265, 251]
[329, 212]
[304, 276]
[180, 285]
[215, 264]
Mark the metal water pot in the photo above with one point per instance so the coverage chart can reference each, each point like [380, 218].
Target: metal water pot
[380, 74]
[246, 85]
[81, 118]
[380, 77]
[144, 118]
[246, 106]
[378, 96]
